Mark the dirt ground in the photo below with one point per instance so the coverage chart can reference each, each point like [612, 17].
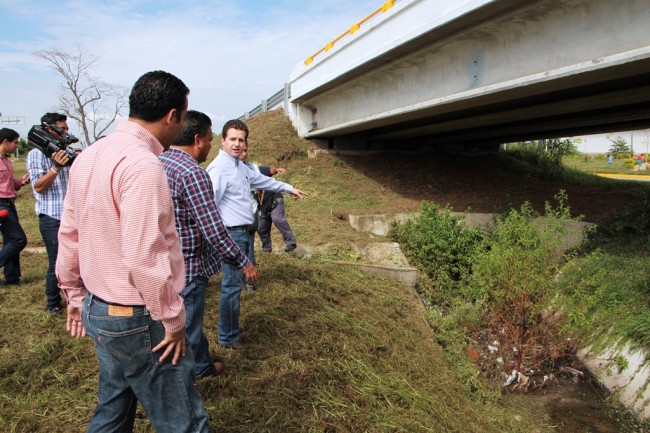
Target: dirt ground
[486, 183]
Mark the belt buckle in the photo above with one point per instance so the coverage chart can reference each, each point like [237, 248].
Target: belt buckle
[120, 311]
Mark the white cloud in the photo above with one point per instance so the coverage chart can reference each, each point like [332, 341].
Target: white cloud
[230, 54]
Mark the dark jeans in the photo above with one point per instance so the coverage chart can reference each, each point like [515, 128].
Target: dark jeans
[194, 300]
[14, 241]
[49, 228]
[130, 372]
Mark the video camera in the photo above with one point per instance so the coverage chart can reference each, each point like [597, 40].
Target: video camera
[40, 139]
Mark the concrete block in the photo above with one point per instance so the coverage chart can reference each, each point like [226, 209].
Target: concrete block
[405, 275]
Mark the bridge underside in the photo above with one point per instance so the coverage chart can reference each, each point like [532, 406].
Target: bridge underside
[503, 73]
[545, 110]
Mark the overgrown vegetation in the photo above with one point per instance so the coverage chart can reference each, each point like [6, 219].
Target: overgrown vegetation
[545, 154]
[443, 247]
[496, 287]
[331, 350]
[606, 288]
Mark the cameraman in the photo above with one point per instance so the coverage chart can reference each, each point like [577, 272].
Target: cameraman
[49, 183]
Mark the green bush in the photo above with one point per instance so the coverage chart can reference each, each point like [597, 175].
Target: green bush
[629, 162]
[515, 279]
[499, 285]
[441, 245]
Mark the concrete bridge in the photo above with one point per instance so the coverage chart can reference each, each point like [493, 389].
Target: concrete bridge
[421, 74]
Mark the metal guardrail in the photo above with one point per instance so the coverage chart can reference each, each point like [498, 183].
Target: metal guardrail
[353, 29]
[281, 97]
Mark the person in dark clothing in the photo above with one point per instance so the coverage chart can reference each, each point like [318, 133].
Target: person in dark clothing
[272, 210]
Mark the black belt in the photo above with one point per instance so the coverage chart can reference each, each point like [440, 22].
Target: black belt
[244, 227]
[7, 200]
[98, 299]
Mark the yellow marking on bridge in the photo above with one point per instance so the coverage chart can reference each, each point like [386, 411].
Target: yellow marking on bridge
[353, 29]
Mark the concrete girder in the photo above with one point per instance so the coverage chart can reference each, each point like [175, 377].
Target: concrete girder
[498, 71]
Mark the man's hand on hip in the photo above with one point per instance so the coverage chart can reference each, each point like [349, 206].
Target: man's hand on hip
[174, 342]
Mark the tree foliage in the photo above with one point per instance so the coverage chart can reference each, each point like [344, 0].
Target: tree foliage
[619, 146]
[92, 103]
[23, 146]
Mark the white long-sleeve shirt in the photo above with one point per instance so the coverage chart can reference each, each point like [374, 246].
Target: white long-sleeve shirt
[232, 181]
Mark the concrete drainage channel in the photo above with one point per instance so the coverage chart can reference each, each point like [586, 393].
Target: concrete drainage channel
[631, 385]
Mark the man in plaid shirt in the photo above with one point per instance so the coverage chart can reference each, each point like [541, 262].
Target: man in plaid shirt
[49, 183]
[204, 239]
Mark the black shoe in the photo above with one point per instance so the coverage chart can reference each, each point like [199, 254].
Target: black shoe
[11, 283]
[290, 248]
[234, 345]
[55, 311]
[215, 370]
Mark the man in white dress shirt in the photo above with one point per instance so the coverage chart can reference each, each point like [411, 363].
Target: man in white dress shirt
[232, 182]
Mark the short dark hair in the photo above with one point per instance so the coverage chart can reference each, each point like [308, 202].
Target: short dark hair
[52, 118]
[195, 123]
[234, 124]
[8, 134]
[155, 94]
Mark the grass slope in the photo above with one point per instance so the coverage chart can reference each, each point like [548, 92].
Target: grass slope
[331, 349]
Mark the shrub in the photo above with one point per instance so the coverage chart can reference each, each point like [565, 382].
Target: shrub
[441, 245]
[515, 276]
[497, 286]
[629, 162]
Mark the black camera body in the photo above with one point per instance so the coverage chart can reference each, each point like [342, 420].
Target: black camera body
[40, 139]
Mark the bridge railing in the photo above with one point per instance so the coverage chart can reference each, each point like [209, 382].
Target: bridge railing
[353, 29]
[279, 99]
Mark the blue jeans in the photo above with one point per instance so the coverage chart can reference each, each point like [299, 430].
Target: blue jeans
[231, 285]
[14, 241]
[194, 299]
[49, 228]
[130, 372]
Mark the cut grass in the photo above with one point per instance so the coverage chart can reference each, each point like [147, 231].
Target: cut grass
[331, 349]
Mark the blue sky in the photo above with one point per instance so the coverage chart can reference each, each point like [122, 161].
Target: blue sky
[231, 54]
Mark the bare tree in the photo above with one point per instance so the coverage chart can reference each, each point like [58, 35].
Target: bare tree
[92, 103]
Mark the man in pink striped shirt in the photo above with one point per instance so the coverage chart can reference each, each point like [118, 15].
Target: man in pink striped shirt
[13, 235]
[121, 267]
